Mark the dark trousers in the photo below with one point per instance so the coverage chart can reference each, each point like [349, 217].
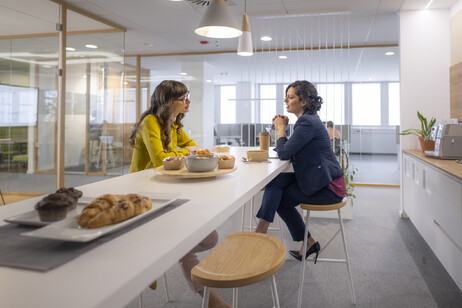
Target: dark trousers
[282, 195]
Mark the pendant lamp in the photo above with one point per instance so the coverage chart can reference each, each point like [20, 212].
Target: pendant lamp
[218, 22]
[245, 40]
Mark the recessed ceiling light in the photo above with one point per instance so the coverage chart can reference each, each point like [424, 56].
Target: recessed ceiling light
[91, 46]
[282, 57]
[70, 49]
[208, 80]
[266, 38]
[389, 53]
[183, 74]
[46, 66]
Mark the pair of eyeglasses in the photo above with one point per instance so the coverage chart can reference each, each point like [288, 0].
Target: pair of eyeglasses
[184, 98]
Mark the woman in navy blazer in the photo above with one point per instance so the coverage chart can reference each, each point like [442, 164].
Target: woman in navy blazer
[317, 176]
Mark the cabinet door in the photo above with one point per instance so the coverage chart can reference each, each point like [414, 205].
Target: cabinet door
[449, 255]
[447, 205]
[409, 187]
[426, 200]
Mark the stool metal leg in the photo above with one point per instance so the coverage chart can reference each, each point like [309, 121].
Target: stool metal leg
[235, 297]
[280, 229]
[3, 200]
[353, 297]
[166, 287]
[250, 227]
[302, 271]
[274, 292]
[205, 299]
[242, 218]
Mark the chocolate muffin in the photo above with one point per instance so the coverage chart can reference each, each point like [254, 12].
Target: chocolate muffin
[54, 207]
[75, 194]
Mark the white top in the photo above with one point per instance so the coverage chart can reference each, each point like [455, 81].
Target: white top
[112, 274]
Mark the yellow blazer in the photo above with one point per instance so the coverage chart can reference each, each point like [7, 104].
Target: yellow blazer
[149, 152]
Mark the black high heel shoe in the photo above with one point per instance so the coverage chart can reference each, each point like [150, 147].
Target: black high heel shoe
[315, 248]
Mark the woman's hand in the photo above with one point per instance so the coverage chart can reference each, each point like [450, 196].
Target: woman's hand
[280, 123]
[192, 148]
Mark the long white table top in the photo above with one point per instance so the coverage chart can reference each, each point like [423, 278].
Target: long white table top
[112, 274]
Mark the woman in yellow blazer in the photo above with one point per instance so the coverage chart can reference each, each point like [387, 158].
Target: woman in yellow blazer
[158, 134]
[159, 131]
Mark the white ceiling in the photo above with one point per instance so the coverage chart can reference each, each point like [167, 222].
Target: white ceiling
[163, 26]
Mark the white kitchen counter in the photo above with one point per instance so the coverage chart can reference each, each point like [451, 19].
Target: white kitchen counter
[112, 274]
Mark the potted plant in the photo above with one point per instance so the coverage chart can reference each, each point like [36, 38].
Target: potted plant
[349, 174]
[423, 133]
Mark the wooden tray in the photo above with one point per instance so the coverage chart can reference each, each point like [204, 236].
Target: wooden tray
[184, 173]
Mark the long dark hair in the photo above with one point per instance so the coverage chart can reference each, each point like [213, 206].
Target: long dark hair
[307, 92]
[161, 108]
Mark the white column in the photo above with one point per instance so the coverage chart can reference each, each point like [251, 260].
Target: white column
[198, 123]
[424, 70]
[244, 102]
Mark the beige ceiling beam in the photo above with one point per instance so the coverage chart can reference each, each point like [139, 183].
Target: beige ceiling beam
[264, 50]
[90, 15]
[48, 34]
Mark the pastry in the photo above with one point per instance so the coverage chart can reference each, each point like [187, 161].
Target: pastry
[111, 209]
[53, 207]
[75, 194]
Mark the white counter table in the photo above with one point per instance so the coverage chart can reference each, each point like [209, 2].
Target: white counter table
[112, 274]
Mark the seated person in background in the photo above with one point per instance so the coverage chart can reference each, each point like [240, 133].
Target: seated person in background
[158, 134]
[334, 134]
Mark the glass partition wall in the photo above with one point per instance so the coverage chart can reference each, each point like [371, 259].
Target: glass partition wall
[94, 133]
[234, 98]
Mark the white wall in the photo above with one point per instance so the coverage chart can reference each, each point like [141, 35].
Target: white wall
[456, 8]
[425, 61]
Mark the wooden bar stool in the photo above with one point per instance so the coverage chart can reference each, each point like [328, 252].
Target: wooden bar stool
[243, 258]
[327, 207]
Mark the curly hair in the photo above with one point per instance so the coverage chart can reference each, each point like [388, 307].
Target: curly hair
[161, 108]
[307, 92]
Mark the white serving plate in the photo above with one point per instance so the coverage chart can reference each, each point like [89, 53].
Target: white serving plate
[68, 229]
[32, 218]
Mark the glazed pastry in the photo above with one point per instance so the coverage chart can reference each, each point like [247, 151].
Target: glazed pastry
[111, 209]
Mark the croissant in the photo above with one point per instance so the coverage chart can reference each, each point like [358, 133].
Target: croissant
[111, 209]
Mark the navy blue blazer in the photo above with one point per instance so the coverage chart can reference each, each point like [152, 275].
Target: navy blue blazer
[310, 151]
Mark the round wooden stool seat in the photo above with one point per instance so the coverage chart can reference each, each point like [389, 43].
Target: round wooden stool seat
[242, 259]
[325, 207]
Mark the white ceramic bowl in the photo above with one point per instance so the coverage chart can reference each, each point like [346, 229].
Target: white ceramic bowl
[201, 163]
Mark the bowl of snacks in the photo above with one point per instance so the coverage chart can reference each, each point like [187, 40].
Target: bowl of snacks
[201, 162]
[257, 155]
[173, 163]
[203, 152]
[226, 162]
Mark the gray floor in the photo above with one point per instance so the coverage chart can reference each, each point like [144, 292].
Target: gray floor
[376, 168]
[392, 266]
